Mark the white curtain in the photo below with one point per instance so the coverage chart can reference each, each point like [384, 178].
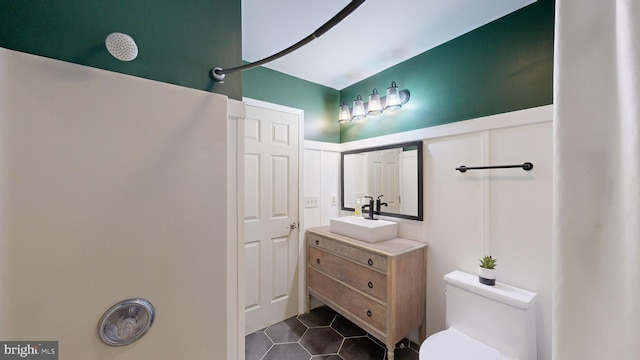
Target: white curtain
[596, 306]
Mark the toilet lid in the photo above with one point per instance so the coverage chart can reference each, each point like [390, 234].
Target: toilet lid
[451, 344]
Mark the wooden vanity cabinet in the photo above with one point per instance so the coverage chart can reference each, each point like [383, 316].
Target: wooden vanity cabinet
[381, 287]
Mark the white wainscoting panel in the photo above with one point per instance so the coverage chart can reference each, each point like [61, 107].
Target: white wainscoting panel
[505, 212]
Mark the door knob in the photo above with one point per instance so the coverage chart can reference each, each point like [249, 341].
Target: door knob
[293, 226]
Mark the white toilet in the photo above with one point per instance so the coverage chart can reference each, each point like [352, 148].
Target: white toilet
[484, 322]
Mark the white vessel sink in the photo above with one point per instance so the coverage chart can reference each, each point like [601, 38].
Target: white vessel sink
[364, 229]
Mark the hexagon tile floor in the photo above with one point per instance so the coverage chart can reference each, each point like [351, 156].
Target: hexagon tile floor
[321, 334]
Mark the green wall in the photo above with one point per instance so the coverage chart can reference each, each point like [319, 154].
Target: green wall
[179, 41]
[504, 66]
[320, 103]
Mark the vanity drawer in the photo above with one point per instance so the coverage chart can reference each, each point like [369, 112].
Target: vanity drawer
[361, 256]
[367, 309]
[360, 277]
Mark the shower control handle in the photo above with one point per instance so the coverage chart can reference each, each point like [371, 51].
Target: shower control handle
[126, 322]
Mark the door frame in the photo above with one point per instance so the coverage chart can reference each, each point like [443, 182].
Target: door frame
[239, 245]
[235, 204]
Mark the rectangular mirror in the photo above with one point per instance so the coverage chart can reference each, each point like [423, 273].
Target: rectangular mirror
[391, 171]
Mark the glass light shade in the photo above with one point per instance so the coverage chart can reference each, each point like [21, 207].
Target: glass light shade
[344, 116]
[358, 109]
[393, 98]
[375, 107]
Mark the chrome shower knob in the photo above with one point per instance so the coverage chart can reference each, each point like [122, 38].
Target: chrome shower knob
[126, 322]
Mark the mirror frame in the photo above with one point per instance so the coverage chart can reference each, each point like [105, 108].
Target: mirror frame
[419, 145]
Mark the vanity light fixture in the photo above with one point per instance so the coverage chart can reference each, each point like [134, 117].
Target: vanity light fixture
[358, 109]
[345, 114]
[375, 106]
[393, 98]
[393, 101]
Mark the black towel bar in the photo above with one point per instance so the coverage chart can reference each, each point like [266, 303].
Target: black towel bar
[526, 166]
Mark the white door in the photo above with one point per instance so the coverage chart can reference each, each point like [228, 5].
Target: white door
[271, 216]
[383, 167]
[409, 182]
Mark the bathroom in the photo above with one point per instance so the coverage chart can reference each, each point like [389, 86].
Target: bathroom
[70, 170]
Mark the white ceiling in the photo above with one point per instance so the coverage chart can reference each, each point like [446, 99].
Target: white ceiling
[378, 35]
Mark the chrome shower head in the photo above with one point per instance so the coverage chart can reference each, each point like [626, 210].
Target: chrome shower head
[121, 46]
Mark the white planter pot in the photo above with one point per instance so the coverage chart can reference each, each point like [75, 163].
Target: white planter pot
[487, 276]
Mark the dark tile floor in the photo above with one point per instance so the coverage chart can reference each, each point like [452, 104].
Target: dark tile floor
[321, 334]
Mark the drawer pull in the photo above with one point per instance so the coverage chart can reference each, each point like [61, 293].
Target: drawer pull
[370, 285]
[370, 262]
[317, 242]
[318, 261]
[369, 313]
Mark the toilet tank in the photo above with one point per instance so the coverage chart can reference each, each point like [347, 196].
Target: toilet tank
[500, 316]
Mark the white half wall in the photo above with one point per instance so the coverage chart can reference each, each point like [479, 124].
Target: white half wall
[505, 213]
[111, 187]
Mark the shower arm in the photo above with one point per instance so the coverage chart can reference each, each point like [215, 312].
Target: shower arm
[219, 73]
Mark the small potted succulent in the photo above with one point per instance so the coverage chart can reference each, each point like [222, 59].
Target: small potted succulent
[487, 270]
